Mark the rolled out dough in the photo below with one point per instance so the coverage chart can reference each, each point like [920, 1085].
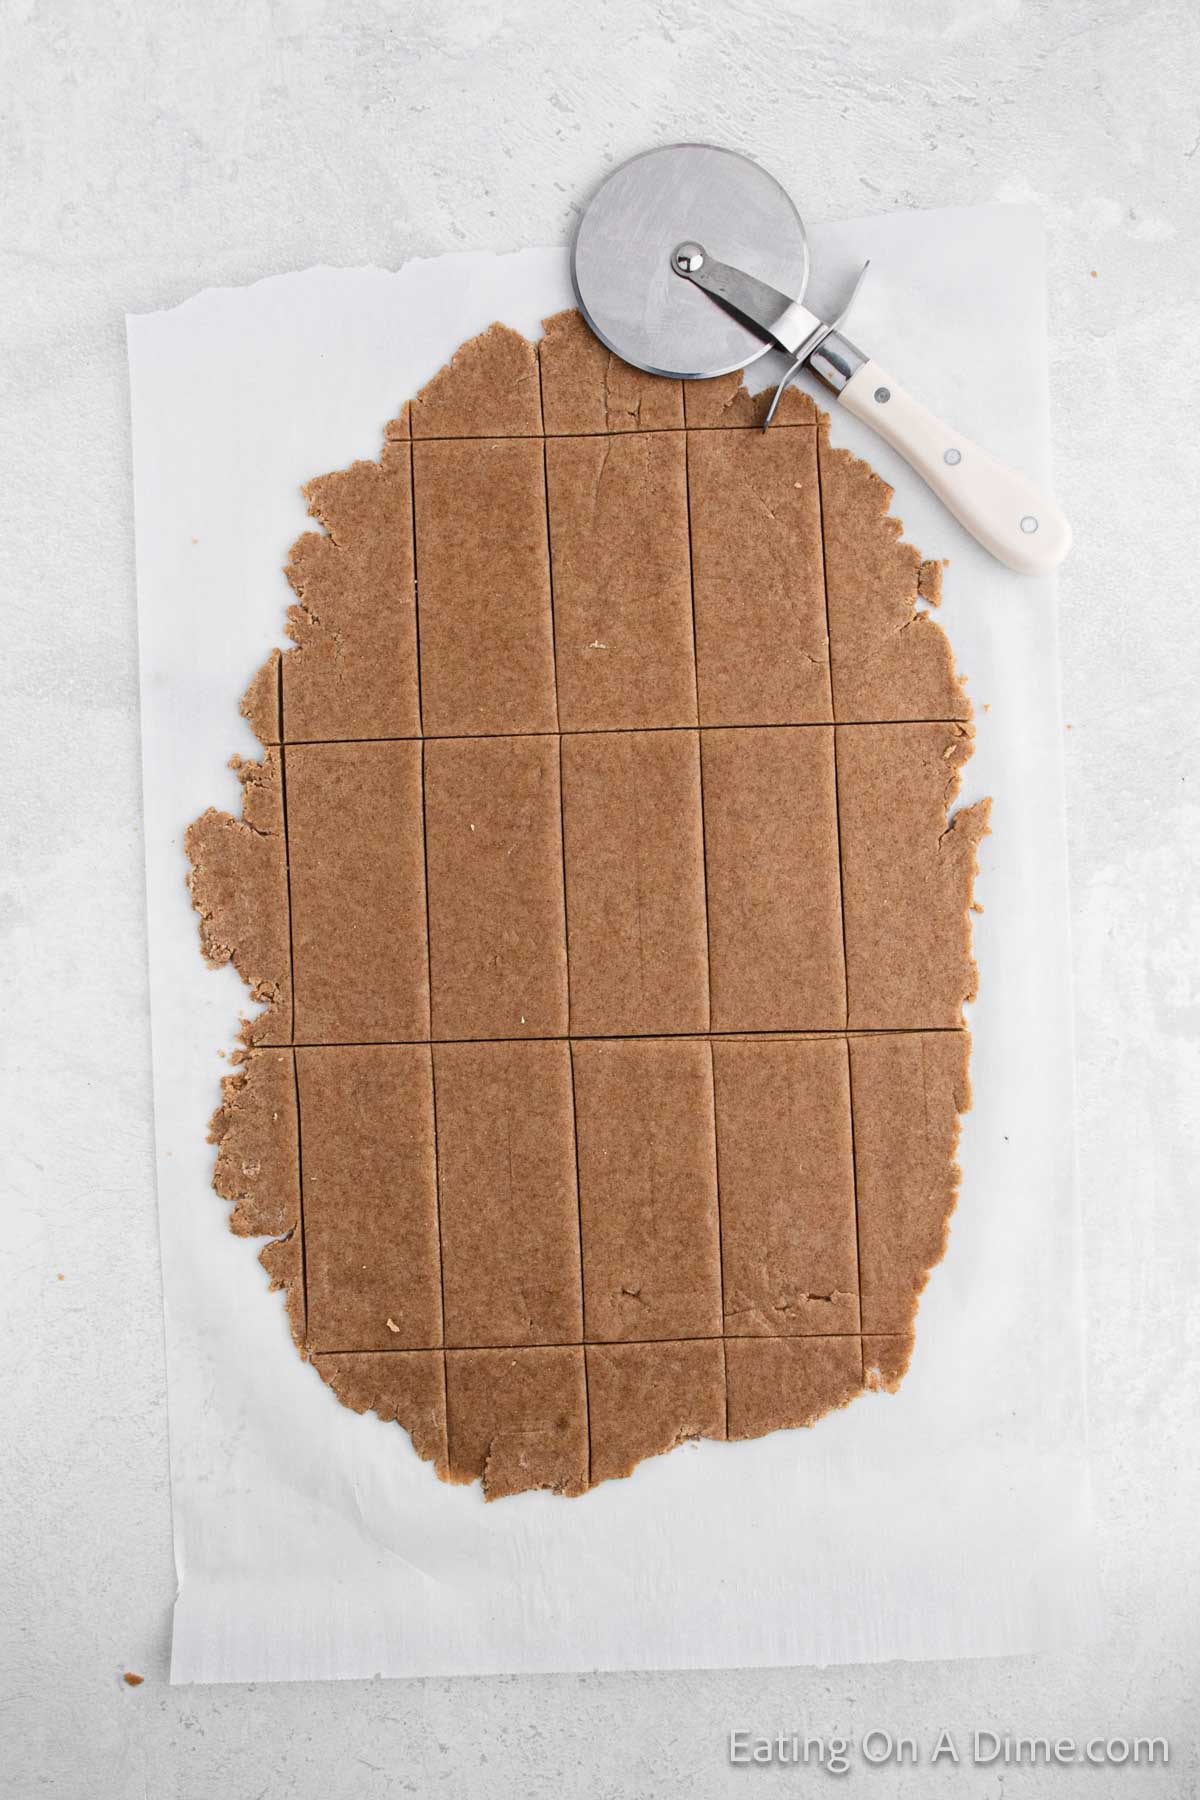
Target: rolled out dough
[603, 896]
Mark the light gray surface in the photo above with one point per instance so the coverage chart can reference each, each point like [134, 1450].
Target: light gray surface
[155, 149]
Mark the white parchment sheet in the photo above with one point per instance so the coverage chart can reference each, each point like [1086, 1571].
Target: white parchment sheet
[949, 1520]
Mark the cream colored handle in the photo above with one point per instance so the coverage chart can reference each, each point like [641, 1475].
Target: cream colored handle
[1009, 514]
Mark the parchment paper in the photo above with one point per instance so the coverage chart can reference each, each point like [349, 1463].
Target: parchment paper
[950, 1520]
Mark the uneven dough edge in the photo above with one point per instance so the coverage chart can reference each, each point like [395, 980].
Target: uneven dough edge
[237, 878]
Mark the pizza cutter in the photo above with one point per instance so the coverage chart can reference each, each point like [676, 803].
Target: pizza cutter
[692, 261]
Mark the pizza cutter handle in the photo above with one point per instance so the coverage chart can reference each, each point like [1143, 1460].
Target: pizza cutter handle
[1018, 522]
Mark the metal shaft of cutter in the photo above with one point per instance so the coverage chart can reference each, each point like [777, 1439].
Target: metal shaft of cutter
[785, 321]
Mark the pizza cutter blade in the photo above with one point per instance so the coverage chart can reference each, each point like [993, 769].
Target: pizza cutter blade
[692, 261]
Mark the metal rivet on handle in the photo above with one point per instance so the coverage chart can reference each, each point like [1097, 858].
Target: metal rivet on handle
[953, 457]
[883, 395]
[688, 257]
[1029, 523]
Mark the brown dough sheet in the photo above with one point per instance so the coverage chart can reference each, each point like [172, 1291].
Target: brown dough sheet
[404, 1386]
[488, 389]
[353, 673]
[785, 1155]
[771, 850]
[890, 660]
[909, 1088]
[357, 877]
[623, 632]
[238, 881]
[258, 1157]
[762, 638]
[604, 834]
[508, 1203]
[726, 401]
[778, 1382]
[907, 875]
[497, 927]
[647, 1189]
[370, 1197]
[587, 390]
[644, 1399]
[487, 639]
[518, 1419]
[637, 918]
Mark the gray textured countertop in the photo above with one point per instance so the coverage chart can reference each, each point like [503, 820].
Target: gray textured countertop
[154, 149]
